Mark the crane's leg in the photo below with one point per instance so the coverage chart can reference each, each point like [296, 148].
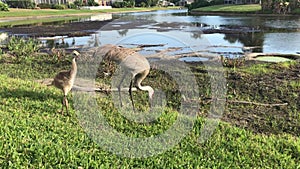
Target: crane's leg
[65, 103]
[130, 93]
[119, 88]
[62, 105]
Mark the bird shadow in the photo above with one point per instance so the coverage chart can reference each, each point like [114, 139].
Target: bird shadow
[32, 95]
[23, 95]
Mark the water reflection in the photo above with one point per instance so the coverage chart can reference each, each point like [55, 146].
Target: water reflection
[225, 35]
[283, 42]
[193, 59]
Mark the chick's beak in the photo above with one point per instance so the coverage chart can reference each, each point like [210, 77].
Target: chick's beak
[76, 54]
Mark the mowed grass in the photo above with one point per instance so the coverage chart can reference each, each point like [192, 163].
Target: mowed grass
[31, 21]
[53, 15]
[55, 12]
[35, 135]
[231, 8]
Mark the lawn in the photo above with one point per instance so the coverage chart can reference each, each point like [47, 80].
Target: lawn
[35, 135]
[32, 21]
[231, 8]
[54, 12]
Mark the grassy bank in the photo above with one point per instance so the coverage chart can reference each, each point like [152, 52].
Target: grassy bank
[53, 12]
[27, 16]
[11, 22]
[35, 135]
[252, 8]
[237, 9]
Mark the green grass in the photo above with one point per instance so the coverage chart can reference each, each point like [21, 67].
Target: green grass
[295, 84]
[33, 21]
[35, 135]
[257, 69]
[273, 59]
[38, 67]
[51, 12]
[296, 11]
[51, 15]
[231, 8]
[267, 68]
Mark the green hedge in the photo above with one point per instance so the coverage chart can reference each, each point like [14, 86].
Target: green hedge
[124, 4]
[52, 6]
[72, 6]
[44, 6]
[27, 4]
[58, 6]
[204, 3]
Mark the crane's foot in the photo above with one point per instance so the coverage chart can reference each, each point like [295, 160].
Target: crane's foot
[61, 111]
[65, 103]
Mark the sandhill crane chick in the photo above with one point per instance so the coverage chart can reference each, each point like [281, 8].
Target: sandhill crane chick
[64, 80]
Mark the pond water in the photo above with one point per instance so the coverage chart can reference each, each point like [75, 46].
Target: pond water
[229, 36]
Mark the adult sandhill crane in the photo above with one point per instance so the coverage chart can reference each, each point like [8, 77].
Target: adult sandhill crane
[64, 80]
[133, 63]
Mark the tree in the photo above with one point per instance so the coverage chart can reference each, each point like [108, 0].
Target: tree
[279, 6]
[152, 2]
[294, 4]
[129, 3]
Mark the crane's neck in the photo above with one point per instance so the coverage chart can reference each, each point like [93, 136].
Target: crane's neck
[73, 68]
[149, 89]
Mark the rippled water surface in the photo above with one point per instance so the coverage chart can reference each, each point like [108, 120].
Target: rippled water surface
[226, 35]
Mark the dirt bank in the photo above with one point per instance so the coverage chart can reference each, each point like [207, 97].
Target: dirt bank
[68, 29]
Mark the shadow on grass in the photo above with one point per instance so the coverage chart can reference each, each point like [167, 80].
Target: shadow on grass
[30, 94]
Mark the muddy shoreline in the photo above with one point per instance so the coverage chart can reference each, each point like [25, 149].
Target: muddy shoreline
[75, 29]
[67, 29]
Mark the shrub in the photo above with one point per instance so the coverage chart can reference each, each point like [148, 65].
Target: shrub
[204, 3]
[58, 6]
[232, 62]
[44, 6]
[118, 4]
[78, 3]
[27, 4]
[72, 6]
[130, 3]
[124, 4]
[143, 4]
[92, 3]
[151, 2]
[3, 6]
[22, 48]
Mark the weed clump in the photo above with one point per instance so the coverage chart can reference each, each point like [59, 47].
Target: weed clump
[22, 48]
